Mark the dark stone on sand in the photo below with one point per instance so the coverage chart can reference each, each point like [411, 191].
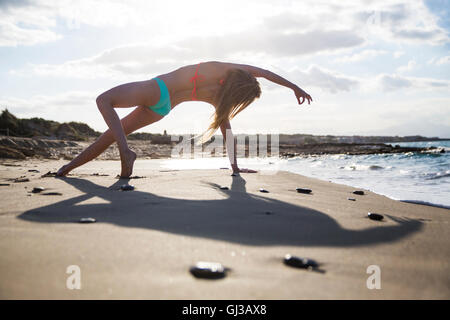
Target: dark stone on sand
[263, 190]
[127, 187]
[52, 194]
[49, 174]
[303, 190]
[10, 164]
[33, 170]
[375, 216]
[21, 180]
[358, 192]
[87, 220]
[37, 189]
[224, 188]
[131, 177]
[351, 199]
[208, 270]
[302, 263]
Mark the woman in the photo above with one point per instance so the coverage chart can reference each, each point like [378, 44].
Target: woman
[229, 87]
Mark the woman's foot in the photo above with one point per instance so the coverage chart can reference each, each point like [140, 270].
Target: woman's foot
[127, 159]
[63, 171]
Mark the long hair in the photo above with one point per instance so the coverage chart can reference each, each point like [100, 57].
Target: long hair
[239, 90]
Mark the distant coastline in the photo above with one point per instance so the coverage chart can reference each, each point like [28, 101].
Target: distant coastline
[37, 137]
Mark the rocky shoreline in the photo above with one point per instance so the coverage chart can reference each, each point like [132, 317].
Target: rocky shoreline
[47, 139]
[22, 148]
[289, 151]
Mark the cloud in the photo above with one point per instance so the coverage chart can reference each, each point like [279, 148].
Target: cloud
[113, 13]
[410, 66]
[410, 22]
[7, 4]
[398, 54]
[426, 116]
[25, 23]
[115, 63]
[273, 43]
[327, 80]
[57, 107]
[340, 24]
[392, 82]
[439, 61]
[361, 56]
[144, 59]
[289, 21]
[11, 35]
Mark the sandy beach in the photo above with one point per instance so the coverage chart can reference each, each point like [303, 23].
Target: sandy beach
[144, 241]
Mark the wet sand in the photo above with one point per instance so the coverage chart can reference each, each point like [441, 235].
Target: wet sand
[144, 241]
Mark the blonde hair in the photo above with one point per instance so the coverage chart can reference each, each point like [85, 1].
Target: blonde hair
[239, 90]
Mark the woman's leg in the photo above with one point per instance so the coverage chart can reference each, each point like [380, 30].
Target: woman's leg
[138, 118]
[127, 156]
[142, 93]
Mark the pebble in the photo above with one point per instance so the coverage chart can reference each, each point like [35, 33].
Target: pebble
[49, 174]
[126, 187]
[21, 180]
[33, 170]
[37, 189]
[303, 190]
[87, 220]
[263, 190]
[52, 194]
[208, 270]
[224, 188]
[358, 192]
[351, 199]
[375, 216]
[297, 262]
[130, 177]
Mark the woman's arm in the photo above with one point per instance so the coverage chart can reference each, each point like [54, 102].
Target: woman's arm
[230, 144]
[271, 76]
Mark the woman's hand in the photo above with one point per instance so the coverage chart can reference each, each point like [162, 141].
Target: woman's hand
[302, 96]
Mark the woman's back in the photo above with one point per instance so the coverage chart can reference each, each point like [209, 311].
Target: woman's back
[204, 77]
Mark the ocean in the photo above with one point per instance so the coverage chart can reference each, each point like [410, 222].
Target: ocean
[413, 177]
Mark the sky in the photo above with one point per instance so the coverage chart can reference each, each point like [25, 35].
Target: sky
[372, 67]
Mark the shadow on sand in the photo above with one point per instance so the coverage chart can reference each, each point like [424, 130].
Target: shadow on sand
[241, 217]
